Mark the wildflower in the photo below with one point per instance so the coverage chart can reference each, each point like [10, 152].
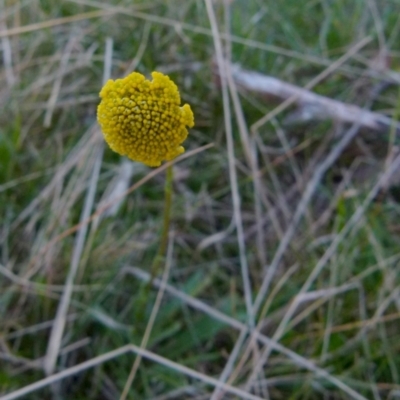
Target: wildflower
[143, 119]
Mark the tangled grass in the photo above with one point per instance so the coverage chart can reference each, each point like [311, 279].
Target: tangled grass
[281, 273]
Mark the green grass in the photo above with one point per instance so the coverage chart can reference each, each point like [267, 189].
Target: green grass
[45, 174]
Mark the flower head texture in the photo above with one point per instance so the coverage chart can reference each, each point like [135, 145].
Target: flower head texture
[142, 119]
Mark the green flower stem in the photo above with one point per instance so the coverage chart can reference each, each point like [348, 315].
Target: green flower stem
[159, 258]
[157, 264]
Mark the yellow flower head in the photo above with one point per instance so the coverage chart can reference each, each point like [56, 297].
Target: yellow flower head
[143, 119]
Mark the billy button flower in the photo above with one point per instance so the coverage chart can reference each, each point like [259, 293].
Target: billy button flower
[142, 119]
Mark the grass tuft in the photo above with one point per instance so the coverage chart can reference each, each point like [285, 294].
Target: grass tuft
[283, 261]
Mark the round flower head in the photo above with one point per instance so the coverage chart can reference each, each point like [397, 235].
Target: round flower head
[143, 119]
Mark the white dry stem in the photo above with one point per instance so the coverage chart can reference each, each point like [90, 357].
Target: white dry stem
[251, 155]
[319, 173]
[93, 139]
[130, 348]
[80, 151]
[232, 168]
[7, 55]
[55, 22]
[319, 78]
[250, 152]
[57, 331]
[298, 360]
[226, 373]
[315, 106]
[52, 101]
[331, 250]
[142, 48]
[301, 208]
[216, 237]
[117, 187]
[254, 44]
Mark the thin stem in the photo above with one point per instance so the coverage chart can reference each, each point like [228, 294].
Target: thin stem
[159, 258]
[156, 265]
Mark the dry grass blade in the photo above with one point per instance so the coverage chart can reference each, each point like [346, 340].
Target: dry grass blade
[60, 319]
[350, 225]
[62, 310]
[178, 25]
[283, 281]
[300, 210]
[130, 348]
[316, 107]
[232, 168]
[227, 371]
[55, 22]
[80, 151]
[51, 103]
[251, 153]
[152, 319]
[7, 56]
[112, 202]
[319, 78]
[256, 335]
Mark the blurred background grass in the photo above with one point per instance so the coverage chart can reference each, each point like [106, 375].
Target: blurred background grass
[51, 71]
